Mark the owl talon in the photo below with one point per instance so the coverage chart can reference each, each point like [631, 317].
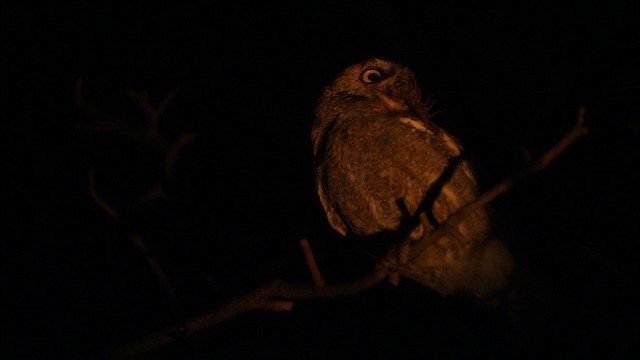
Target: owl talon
[394, 279]
[403, 251]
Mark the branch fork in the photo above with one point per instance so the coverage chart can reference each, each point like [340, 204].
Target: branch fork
[278, 295]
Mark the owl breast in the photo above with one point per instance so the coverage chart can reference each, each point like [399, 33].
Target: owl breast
[371, 161]
[379, 159]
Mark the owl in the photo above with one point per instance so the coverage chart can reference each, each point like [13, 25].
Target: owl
[380, 160]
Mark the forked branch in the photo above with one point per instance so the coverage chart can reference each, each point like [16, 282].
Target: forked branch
[277, 295]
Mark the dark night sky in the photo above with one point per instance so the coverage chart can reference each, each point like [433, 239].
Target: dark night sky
[505, 77]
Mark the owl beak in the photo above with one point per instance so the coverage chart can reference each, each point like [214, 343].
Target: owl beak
[393, 103]
[396, 103]
[404, 97]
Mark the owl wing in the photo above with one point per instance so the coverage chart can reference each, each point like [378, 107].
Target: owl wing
[332, 215]
[319, 137]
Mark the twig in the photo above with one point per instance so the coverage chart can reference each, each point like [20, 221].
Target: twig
[577, 131]
[173, 152]
[136, 240]
[159, 272]
[99, 121]
[98, 199]
[153, 113]
[311, 262]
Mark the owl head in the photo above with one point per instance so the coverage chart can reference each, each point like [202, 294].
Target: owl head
[394, 85]
[370, 88]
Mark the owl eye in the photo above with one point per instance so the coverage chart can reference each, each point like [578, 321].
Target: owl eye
[372, 75]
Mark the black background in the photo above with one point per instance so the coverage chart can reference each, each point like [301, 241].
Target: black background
[505, 77]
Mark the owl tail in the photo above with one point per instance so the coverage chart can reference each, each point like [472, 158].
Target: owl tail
[491, 269]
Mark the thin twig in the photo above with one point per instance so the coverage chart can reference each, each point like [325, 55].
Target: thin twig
[158, 271]
[110, 210]
[173, 152]
[166, 101]
[311, 262]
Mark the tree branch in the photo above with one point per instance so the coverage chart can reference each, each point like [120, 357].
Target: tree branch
[264, 298]
[268, 296]
[450, 226]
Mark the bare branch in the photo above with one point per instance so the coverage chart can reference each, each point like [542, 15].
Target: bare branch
[136, 240]
[450, 226]
[260, 299]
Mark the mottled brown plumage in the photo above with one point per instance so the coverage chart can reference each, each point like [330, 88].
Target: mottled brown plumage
[375, 146]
